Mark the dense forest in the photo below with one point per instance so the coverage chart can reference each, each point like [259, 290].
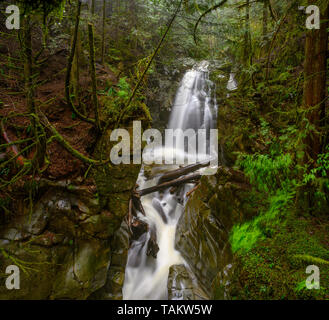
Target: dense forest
[74, 71]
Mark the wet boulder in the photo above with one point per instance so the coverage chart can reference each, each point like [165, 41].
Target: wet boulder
[183, 286]
[202, 235]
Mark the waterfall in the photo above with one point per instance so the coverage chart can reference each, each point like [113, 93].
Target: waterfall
[232, 83]
[145, 277]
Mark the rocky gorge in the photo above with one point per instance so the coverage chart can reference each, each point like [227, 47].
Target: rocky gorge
[78, 239]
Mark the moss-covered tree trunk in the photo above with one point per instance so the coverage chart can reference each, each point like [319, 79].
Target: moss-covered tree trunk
[315, 72]
[93, 74]
[75, 78]
[70, 66]
[103, 31]
[26, 42]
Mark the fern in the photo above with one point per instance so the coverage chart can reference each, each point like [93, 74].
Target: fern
[270, 176]
[265, 172]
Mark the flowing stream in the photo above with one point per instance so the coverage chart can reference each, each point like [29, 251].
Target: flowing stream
[146, 277]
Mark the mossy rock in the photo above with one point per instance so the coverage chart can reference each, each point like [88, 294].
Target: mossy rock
[37, 265]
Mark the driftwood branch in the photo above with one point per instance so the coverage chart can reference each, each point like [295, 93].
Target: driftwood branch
[136, 200]
[138, 227]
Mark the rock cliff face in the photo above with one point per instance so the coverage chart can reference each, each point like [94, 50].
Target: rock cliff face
[202, 236]
[64, 246]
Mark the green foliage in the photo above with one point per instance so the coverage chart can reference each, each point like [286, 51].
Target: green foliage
[319, 176]
[275, 268]
[278, 176]
[44, 6]
[265, 172]
[244, 237]
[124, 88]
[115, 96]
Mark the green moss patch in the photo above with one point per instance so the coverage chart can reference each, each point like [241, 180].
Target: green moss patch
[276, 267]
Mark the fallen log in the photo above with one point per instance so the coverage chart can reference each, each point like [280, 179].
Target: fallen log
[65, 184]
[166, 185]
[182, 171]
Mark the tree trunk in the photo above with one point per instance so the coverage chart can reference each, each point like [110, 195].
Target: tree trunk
[27, 52]
[69, 68]
[93, 74]
[103, 31]
[315, 84]
[75, 78]
[92, 6]
[30, 93]
[247, 34]
[265, 18]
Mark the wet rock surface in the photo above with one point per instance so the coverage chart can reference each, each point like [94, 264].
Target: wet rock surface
[182, 285]
[83, 271]
[202, 234]
[112, 290]
[63, 247]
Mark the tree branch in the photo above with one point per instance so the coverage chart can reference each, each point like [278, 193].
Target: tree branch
[204, 14]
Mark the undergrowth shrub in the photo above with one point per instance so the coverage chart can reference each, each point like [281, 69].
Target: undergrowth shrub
[271, 178]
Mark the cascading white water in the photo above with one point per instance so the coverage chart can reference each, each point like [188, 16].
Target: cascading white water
[145, 277]
[232, 83]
